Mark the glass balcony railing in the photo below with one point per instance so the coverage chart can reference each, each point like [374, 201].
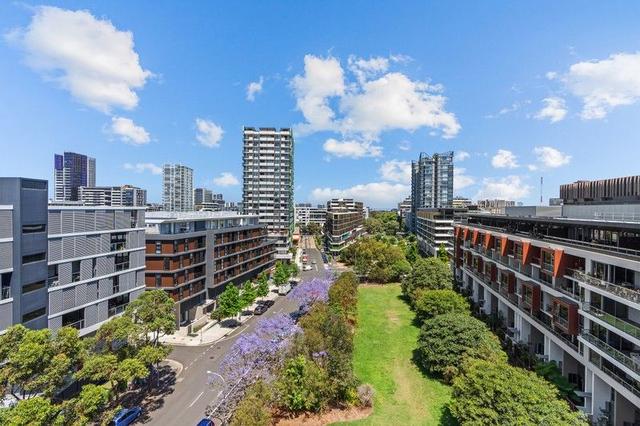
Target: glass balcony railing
[77, 325]
[628, 293]
[117, 310]
[614, 353]
[619, 323]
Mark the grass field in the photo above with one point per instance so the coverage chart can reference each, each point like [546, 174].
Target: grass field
[384, 342]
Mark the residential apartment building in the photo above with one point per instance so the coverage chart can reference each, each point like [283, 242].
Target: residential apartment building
[205, 200]
[116, 196]
[431, 183]
[194, 255]
[96, 264]
[345, 220]
[71, 171]
[23, 252]
[434, 228]
[461, 202]
[65, 265]
[177, 193]
[495, 206]
[616, 190]
[306, 213]
[568, 289]
[268, 182]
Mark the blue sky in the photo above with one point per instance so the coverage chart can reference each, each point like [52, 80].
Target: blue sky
[518, 90]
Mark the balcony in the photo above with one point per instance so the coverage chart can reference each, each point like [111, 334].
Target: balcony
[621, 291]
[79, 325]
[53, 281]
[117, 310]
[614, 353]
[622, 325]
[630, 385]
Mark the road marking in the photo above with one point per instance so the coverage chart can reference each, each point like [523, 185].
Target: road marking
[195, 400]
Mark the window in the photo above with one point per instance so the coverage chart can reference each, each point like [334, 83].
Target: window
[75, 271]
[52, 275]
[158, 280]
[32, 229]
[32, 258]
[118, 241]
[29, 316]
[122, 261]
[33, 287]
[116, 284]
[158, 247]
[5, 285]
[94, 269]
[166, 264]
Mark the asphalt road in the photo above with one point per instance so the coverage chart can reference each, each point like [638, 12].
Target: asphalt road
[191, 394]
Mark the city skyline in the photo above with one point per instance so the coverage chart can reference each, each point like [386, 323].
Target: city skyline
[512, 109]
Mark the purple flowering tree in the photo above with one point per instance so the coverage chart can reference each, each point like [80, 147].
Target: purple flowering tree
[311, 291]
[253, 356]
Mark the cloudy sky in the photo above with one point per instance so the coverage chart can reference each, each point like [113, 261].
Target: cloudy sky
[518, 91]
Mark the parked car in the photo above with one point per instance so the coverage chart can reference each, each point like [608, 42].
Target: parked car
[205, 422]
[126, 416]
[284, 289]
[267, 303]
[307, 268]
[260, 309]
[313, 261]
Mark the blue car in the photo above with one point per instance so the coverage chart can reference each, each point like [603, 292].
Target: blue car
[205, 422]
[126, 416]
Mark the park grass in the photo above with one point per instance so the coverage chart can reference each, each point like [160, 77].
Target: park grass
[384, 342]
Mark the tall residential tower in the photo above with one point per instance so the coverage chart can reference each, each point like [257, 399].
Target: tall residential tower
[71, 171]
[431, 182]
[177, 194]
[268, 182]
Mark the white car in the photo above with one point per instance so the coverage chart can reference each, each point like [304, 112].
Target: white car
[307, 268]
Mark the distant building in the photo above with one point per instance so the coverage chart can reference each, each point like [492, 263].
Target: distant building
[267, 189]
[70, 172]
[193, 256]
[306, 213]
[404, 208]
[202, 195]
[555, 201]
[434, 228]
[116, 196]
[616, 190]
[461, 202]
[154, 207]
[205, 200]
[177, 194]
[495, 206]
[431, 182]
[345, 220]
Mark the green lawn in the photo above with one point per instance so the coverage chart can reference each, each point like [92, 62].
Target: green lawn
[384, 342]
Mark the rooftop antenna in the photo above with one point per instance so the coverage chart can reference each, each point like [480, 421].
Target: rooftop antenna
[541, 182]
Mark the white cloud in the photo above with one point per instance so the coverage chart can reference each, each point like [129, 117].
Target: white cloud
[551, 157]
[605, 84]
[460, 179]
[375, 194]
[507, 188]
[396, 171]
[461, 155]
[504, 159]
[143, 167]
[351, 148]
[532, 167]
[208, 133]
[364, 69]
[323, 78]
[371, 104]
[507, 110]
[551, 75]
[128, 131]
[87, 56]
[554, 109]
[404, 145]
[254, 88]
[226, 179]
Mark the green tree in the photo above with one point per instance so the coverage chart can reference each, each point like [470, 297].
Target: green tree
[247, 294]
[411, 252]
[443, 255]
[430, 303]
[302, 386]
[254, 409]
[36, 411]
[262, 289]
[153, 312]
[428, 274]
[229, 303]
[447, 340]
[281, 274]
[488, 393]
[99, 368]
[552, 373]
[314, 228]
[90, 403]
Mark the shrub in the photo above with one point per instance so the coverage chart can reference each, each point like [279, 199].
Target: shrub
[254, 409]
[430, 303]
[302, 386]
[343, 294]
[446, 340]
[427, 274]
[365, 395]
[489, 393]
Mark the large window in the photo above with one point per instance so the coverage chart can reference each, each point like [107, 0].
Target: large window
[32, 229]
[32, 258]
[122, 261]
[29, 316]
[33, 287]
[75, 271]
[118, 241]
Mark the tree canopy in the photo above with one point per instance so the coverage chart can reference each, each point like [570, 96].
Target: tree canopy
[427, 274]
[430, 303]
[488, 392]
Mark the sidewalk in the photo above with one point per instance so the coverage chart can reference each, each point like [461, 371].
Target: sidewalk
[213, 330]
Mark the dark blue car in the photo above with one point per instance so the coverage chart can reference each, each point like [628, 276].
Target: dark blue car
[126, 416]
[205, 422]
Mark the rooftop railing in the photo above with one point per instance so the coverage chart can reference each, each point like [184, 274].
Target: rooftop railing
[631, 294]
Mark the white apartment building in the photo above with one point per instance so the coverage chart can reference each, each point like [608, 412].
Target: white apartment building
[306, 213]
[116, 196]
[268, 182]
[177, 193]
[568, 289]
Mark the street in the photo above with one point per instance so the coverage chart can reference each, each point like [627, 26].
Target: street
[187, 403]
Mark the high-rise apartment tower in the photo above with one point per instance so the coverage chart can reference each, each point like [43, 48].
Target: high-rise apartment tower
[177, 194]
